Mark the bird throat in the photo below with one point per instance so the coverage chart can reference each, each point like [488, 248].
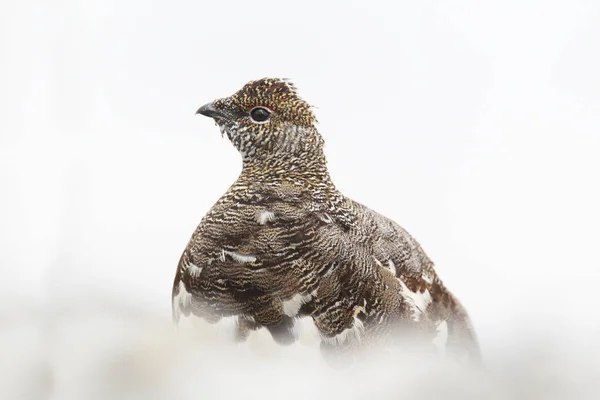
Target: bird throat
[308, 167]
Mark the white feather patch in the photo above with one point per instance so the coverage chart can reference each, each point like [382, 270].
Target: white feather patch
[194, 270]
[356, 332]
[291, 306]
[265, 216]
[427, 278]
[325, 218]
[392, 267]
[417, 301]
[243, 258]
[181, 300]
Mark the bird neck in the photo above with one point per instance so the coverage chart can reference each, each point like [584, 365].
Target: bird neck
[306, 168]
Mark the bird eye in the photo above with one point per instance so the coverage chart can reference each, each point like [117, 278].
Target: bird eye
[260, 114]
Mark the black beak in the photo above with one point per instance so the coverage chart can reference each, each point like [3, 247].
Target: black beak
[210, 111]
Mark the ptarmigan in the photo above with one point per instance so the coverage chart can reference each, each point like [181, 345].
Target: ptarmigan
[283, 243]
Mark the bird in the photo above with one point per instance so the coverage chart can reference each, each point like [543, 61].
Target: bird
[284, 244]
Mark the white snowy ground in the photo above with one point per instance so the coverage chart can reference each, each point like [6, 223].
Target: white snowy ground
[99, 350]
[475, 125]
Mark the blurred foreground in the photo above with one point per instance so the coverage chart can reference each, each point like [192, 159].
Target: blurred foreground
[99, 348]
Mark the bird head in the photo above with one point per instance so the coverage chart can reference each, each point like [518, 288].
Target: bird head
[266, 118]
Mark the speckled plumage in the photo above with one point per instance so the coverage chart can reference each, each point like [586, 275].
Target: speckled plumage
[283, 243]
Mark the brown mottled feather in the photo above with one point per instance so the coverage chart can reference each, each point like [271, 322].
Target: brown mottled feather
[284, 243]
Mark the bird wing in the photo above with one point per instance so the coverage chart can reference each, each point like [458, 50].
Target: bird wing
[260, 258]
[424, 297]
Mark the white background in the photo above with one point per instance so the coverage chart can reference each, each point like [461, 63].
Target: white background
[475, 125]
